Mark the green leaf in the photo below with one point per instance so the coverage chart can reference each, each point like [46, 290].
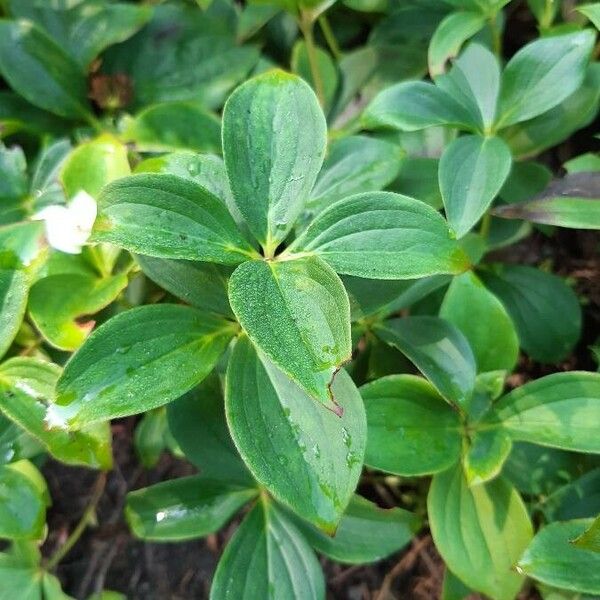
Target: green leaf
[382, 235]
[472, 171]
[94, 164]
[197, 422]
[13, 185]
[20, 573]
[14, 287]
[412, 430]
[84, 29]
[544, 309]
[20, 243]
[269, 551]
[183, 54]
[274, 138]
[418, 178]
[327, 69]
[485, 455]
[149, 438]
[59, 303]
[576, 213]
[476, 72]
[16, 114]
[15, 444]
[355, 164]
[26, 390]
[169, 217]
[538, 471]
[560, 410]
[480, 531]
[308, 457]
[577, 499]
[552, 559]
[38, 69]
[203, 285]
[184, 508]
[483, 320]
[174, 126]
[366, 533]
[22, 503]
[138, 360]
[451, 34]
[542, 74]
[453, 588]
[438, 349]
[584, 163]
[206, 169]
[573, 201]
[297, 312]
[556, 125]
[414, 105]
[592, 12]
[590, 538]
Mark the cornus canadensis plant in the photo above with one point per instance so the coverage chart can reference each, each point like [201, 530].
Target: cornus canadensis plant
[345, 295]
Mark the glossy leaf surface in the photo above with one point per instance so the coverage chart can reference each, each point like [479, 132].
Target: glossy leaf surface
[381, 235]
[26, 390]
[169, 217]
[304, 454]
[544, 309]
[39, 70]
[184, 508]
[138, 360]
[296, 312]
[542, 74]
[274, 137]
[559, 410]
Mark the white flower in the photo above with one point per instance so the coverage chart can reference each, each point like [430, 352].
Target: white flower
[69, 227]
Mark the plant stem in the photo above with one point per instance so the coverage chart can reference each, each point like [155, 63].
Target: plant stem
[486, 223]
[330, 37]
[306, 24]
[85, 520]
[496, 36]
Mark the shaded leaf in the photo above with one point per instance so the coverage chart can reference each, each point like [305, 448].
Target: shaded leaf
[438, 349]
[412, 430]
[184, 508]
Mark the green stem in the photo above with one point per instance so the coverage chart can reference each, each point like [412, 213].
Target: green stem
[486, 223]
[86, 519]
[95, 123]
[496, 36]
[306, 24]
[330, 37]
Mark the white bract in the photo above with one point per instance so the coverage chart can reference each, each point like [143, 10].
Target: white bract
[68, 228]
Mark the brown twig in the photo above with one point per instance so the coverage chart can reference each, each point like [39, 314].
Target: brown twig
[404, 564]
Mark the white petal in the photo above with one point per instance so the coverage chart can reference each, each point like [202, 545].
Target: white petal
[84, 210]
